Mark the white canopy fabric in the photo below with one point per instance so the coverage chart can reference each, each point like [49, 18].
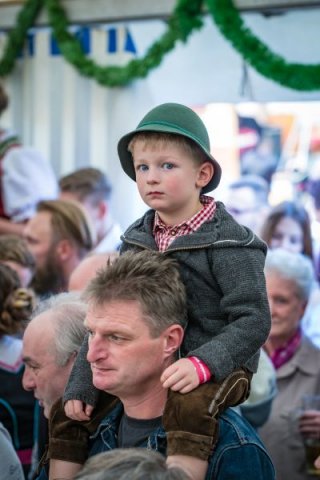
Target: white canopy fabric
[75, 122]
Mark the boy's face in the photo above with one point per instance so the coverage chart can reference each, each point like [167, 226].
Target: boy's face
[169, 180]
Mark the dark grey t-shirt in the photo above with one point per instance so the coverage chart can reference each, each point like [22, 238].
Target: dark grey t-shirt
[132, 431]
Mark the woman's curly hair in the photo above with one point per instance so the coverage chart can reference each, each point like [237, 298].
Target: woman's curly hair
[16, 303]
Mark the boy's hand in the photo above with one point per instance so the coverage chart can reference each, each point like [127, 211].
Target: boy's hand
[77, 410]
[181, 376]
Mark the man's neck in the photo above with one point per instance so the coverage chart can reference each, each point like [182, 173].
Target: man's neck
[147, 405]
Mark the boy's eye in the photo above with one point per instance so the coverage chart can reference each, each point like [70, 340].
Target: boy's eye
[168, 166]
[141, 168]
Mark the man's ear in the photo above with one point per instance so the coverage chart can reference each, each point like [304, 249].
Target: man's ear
[64, 249]
[205, 173]
[102, 209]
[173, 337]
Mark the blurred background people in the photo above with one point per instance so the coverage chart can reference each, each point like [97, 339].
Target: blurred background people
[247, 201]
[25, 179]
[289, 279]
[17, 407]
[91, 187]
[313, 189]
[59, 237]
[288, 226]
[14, 252]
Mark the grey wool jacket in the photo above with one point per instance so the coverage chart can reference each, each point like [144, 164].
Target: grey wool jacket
[222, 266]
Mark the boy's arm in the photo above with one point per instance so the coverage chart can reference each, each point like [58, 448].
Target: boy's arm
[68, 439]
[79, 386]
[239, 273]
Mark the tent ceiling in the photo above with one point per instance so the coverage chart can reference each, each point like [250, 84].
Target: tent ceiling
[114, 10]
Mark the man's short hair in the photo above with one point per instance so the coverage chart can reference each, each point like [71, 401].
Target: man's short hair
[69, 221]
[150, 278]
[87, 182]
[257, 184]
[14, 248]
[130, 463]
[68, 313]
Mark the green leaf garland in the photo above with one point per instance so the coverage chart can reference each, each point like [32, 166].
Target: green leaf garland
[16, 38]
[292, 75]
[185, 18]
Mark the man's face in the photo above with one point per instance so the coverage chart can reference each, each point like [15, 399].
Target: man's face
[39, 237]
[242, 204]
[42, 375]
[49, 277]
[125, 359]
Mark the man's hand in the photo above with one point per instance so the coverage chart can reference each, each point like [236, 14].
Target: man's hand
[77, 410]
[309, 424]
[181, 376]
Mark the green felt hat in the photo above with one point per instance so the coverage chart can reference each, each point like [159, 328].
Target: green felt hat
[171, 118]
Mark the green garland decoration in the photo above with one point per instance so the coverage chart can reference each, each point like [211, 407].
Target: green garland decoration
[16, 38]
[185, 18]
[293, 75]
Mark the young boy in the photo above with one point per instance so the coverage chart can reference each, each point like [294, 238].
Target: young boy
[221, 263]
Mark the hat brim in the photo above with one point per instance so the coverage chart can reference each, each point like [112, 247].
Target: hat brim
[127, 160]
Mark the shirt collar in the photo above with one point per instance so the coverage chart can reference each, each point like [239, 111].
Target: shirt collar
[206, 213]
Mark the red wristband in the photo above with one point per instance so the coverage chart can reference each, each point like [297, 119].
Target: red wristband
[202, 370]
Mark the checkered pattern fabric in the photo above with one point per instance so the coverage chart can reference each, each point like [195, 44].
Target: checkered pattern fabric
[164, 234]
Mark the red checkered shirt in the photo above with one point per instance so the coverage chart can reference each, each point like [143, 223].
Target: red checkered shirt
[164, 234]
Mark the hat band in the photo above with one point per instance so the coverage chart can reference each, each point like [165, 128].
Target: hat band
[178, 129]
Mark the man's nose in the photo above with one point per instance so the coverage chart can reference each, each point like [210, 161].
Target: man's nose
[96, 350]
[28, 382]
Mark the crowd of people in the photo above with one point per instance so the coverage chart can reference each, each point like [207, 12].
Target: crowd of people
[179, 349]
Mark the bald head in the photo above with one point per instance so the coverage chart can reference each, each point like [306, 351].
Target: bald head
[88, 268]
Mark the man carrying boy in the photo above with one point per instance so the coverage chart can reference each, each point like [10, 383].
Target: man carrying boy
[221, 264]
[136, 318]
